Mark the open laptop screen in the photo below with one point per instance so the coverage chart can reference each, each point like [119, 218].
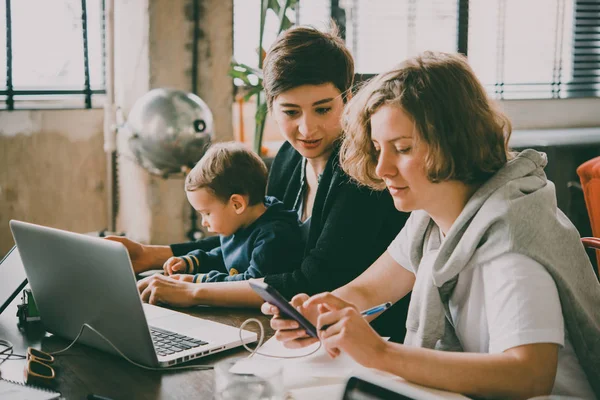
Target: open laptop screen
[12, 277]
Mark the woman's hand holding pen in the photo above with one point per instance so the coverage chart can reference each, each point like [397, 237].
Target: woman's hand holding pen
[346, 330]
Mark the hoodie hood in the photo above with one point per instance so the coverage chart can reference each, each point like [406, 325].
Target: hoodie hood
[518, 186]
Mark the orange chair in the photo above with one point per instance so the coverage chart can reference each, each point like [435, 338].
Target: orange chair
[589, 174]
[593, 243]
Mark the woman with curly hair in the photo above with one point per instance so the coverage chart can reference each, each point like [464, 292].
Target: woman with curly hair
[505, 303]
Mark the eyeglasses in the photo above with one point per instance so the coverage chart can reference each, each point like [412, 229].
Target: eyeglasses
[37, 369]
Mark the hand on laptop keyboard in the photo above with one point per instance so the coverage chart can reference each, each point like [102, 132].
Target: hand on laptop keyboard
[161, 289]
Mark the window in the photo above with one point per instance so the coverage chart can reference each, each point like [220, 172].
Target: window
[246, 23]
[516, 58]
[381, 33]
[54, 56]
[520, 49]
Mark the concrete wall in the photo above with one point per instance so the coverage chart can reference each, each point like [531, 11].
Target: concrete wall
[52, 170]
[158, 53]
[52, 163]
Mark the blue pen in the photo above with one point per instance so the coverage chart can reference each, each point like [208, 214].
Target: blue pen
[376, 309]
[367, 312]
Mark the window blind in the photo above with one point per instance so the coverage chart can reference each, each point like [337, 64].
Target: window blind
[519, 49]
[382, 33]
[585, 80]
[516, 57]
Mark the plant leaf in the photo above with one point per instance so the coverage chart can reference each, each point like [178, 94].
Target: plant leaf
[261, 113]
[252, 92]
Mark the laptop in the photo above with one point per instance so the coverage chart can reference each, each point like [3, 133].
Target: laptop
[77, 279]
[13, 277]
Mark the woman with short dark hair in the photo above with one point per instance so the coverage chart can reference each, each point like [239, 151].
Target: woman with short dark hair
[308, 76]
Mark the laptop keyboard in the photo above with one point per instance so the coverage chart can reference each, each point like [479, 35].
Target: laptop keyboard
[166, 342]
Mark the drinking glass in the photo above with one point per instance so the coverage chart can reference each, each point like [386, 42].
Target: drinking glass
[245, 379]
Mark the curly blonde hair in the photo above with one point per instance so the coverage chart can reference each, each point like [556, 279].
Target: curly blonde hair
[467, 137]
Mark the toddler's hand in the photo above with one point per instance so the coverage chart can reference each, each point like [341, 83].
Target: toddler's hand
[175, 265]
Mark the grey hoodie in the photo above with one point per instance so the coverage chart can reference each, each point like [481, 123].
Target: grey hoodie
[513, 212]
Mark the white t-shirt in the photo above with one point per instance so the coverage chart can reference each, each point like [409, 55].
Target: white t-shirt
[508, 302]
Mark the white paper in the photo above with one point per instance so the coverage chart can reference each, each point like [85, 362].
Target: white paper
[17, 391]
[318, 373]
[260, 368]
[319, 392]
[306, 371]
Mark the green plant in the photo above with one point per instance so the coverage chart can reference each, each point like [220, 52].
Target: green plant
[251, 79]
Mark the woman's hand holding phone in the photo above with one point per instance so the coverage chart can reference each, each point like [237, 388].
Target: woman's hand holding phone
[289, 331]
[340, 327]
[338, 324]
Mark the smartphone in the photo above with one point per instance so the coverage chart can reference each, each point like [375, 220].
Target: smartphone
[360, 389]
[271, 295]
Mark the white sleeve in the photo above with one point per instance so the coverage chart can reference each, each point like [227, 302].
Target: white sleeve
[522, 303]
[400, 247]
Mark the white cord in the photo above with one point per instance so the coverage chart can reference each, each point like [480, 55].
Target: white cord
[9, 349]
[200, 367]
[260, 341]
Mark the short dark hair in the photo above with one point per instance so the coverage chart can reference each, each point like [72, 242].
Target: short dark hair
[466, 133]
[307, 56]
[229, 168]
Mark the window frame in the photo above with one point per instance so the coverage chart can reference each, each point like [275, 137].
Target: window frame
[56, 98]
[558, 92]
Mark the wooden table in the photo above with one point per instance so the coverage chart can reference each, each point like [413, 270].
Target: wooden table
[83, 370]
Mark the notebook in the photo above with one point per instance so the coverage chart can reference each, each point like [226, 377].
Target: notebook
[10, 390]
[78, 279]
